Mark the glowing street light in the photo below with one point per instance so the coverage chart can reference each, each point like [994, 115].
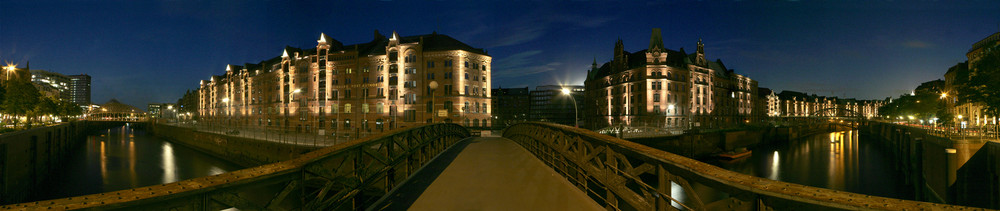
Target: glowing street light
[576, 111]
[225, 100]
[944, 95]
[11, 67]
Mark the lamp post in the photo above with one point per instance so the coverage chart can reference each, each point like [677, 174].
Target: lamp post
[576, 112]
[433, 85]
[10, 68]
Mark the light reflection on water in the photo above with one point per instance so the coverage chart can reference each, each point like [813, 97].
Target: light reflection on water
[125, 158]
[840, 160]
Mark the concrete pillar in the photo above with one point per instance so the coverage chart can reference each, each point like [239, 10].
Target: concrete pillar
[952, 163]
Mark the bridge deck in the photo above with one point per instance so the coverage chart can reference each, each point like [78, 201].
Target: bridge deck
[492, 174]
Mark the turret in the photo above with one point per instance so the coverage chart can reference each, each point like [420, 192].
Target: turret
[656, 41]
[700, 60]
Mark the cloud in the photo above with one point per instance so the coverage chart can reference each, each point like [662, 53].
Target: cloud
[530, 27]
[521, 64]
[917, 44]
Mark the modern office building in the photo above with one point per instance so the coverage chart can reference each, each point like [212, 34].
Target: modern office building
[659, 88]
[550, 104]
[51, 84]
[362, 88]
[510, 106]
[79, 89]
[161, 110]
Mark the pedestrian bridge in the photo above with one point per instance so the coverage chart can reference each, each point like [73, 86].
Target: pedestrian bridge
[536, 166]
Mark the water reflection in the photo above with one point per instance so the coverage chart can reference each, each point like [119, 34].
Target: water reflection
[840, 160]
[124, 158]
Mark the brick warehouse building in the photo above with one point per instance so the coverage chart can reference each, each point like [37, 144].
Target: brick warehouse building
[658, 88]
[366, 88]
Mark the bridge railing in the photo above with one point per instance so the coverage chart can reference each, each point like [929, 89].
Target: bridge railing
[623, 175]
[349, 176]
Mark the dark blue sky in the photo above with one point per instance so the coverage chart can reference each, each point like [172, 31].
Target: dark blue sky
[151, 51]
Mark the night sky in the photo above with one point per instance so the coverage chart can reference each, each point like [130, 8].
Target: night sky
[151, 51]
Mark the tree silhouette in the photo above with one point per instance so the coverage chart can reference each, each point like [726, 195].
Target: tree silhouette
[984, 82]
[20, 98]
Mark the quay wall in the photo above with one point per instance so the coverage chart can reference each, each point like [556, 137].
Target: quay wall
[959, 170]
[27, 157]
[246, 152]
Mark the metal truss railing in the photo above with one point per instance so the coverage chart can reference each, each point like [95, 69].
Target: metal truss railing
[622, 175]
[349, 176]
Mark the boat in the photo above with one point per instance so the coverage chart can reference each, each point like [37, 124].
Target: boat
[736, 154]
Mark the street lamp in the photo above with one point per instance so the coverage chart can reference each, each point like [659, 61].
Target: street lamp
[944, 95]
[433, 85]
[576, 112]
[10, 68]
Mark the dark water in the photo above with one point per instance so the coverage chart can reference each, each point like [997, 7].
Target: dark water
[125, 158]
[840, 161]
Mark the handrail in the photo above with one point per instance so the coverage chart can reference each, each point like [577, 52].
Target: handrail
[352, 176]
[623, 175]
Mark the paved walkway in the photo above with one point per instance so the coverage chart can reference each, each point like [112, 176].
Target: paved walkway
[493, 173]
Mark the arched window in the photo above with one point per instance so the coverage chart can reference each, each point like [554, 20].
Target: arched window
[475, 123]
[379, 108]
[347, 108]
[466, 108]
[364, 108]
[468, 122]
[334, 108]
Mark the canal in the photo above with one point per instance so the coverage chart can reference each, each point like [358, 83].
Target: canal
[844, 161]
[124, 158]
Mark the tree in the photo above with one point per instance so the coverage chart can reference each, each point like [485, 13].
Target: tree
[984, 82]
[20, 98]
[45, 106]
[67, 109]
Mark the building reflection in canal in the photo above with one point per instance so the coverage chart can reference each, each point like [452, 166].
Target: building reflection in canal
[840, 160]
[125, 158]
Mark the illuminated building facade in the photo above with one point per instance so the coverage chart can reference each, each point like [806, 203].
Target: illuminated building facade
[966, 113]
[51, 84]
[350, 89]
[663, 88]
[798, 104]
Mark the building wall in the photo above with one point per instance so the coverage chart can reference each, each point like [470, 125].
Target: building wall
[549, 104]
[79, 91]
[336, 89]
[510, 106]
[54, 85]
[666, 89]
